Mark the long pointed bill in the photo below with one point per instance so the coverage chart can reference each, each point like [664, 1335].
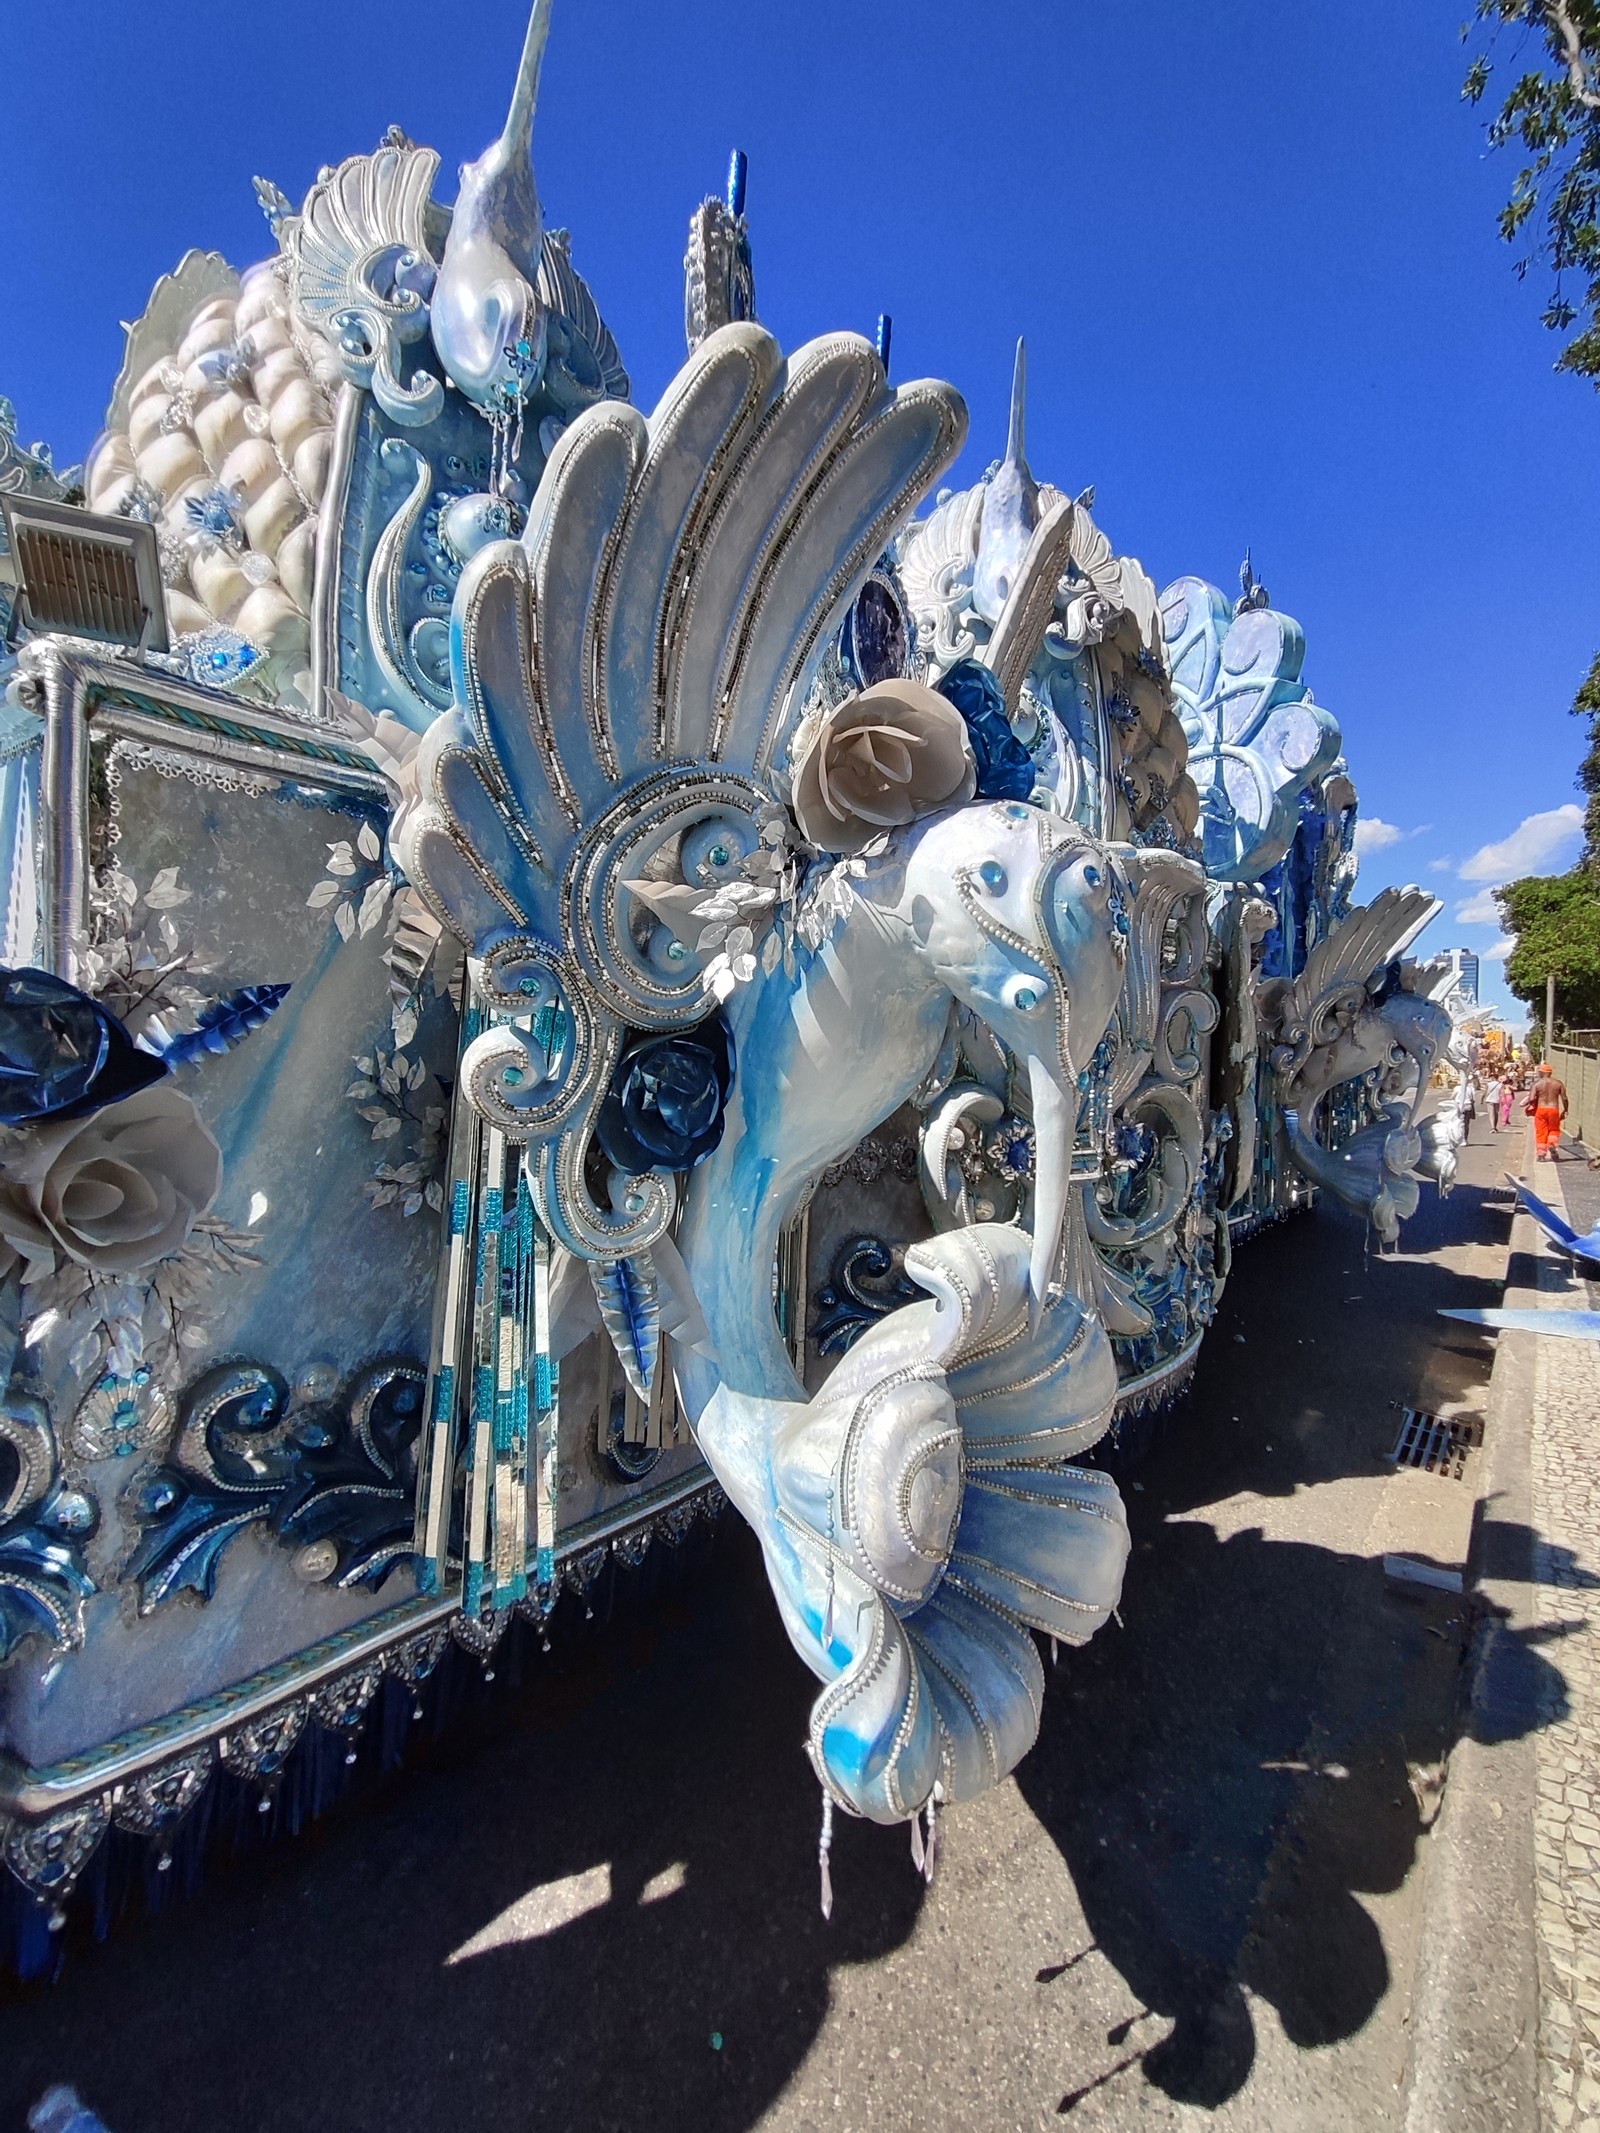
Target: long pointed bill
[518, 133]
[1053, 1124]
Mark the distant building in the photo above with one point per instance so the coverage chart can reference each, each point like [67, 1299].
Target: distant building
[1464, 963]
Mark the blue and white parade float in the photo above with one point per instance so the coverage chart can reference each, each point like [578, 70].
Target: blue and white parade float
[566, 964]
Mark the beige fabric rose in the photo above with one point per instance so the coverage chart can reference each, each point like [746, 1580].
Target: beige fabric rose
[879, 759]
[115, 1191]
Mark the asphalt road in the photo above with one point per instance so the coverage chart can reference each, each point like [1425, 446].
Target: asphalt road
[595, 1906]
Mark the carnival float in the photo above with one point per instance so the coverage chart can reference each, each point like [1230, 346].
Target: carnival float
[567, 965]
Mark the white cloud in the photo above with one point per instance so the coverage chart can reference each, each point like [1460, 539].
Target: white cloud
[1499, 952]
[1479, 910]
[1532, 845]
[1373, 834]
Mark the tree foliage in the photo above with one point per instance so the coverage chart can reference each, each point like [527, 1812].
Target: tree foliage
[1556, 921]
[1550, 106]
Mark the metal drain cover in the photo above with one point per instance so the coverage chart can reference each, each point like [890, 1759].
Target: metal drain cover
[1431, 1445]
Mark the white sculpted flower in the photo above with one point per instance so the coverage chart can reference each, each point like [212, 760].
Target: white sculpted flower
[879, 759]
[115, 1191]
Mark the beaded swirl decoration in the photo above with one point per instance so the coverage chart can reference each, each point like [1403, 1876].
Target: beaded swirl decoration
[626, 678]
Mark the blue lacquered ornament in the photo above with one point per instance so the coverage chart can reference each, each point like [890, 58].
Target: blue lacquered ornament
[62, 1054]
[1005, 768]
[664, 1109]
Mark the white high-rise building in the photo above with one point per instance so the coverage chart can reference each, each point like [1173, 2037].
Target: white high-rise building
[1464, 963]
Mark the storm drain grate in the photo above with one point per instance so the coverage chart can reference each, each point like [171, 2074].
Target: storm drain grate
[1431, 1445]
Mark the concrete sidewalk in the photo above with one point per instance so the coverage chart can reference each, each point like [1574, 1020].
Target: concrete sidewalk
[1566, 1519]
[1508, 2028]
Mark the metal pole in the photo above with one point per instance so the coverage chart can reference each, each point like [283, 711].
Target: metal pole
[1549, 1013]
[63, 807]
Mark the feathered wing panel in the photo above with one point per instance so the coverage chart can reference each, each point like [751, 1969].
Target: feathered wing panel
[572, 537]
[625, 678]
[825, 386]
[868, 490]
[659, 614]
[697, 436]
[1369, 938]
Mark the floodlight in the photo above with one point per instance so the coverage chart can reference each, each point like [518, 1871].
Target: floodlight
[85, 574]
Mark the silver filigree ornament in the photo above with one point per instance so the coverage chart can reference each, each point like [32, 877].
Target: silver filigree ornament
[414, 1661]
[49, 1856]
[152, 1804]
[360, 272]
[258, 1750]
[122, 1416]
[341, 1707]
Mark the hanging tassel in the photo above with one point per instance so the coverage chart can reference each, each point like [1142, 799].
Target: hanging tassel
[931, 1848]
[824, 1846]
[827, 1614]
[916, 1842]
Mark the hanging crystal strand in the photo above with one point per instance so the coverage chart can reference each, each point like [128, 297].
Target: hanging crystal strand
[497, 451]
[1055, 1650]
[916, 1841]
[515, 451]
[827, 1612]
[824, 1847]
[930, 1851]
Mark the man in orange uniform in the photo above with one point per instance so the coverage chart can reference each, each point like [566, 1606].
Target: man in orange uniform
[1548, 1104]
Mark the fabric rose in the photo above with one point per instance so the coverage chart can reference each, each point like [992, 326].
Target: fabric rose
[664, 1109]
[116, 1191]
[1005, 768]
[61, 1053]
[876, 761]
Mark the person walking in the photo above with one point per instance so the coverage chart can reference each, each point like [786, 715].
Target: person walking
[1548, 1103]
[1491, 1100]
[1508, 1098]
[1466, 1104]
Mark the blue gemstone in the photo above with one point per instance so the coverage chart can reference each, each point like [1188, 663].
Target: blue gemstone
[993, 877]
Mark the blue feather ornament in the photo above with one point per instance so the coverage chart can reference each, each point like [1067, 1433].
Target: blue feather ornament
[625, 1290]
[225, 1023]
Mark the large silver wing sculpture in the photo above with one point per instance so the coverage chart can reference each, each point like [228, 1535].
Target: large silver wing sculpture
[1351, 1016]
[626, 678]
[1319, 1016]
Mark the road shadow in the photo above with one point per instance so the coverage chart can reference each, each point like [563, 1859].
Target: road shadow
[1226, 1779]
[1264, 1745]
[656, 1775]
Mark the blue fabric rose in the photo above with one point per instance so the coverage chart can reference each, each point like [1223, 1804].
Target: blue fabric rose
[1005, 768]
[664, 1109]
[62, 1054]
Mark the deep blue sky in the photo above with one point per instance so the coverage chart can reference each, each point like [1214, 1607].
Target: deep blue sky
[1252, 249]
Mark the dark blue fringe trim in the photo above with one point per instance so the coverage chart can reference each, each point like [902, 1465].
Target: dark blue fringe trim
[465, 1699]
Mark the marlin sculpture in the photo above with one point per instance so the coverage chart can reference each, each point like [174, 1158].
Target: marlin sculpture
[489, 325]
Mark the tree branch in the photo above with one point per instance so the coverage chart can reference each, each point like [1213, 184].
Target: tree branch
[1559, 21]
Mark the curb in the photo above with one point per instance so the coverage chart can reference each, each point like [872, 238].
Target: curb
[1474, 2065]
